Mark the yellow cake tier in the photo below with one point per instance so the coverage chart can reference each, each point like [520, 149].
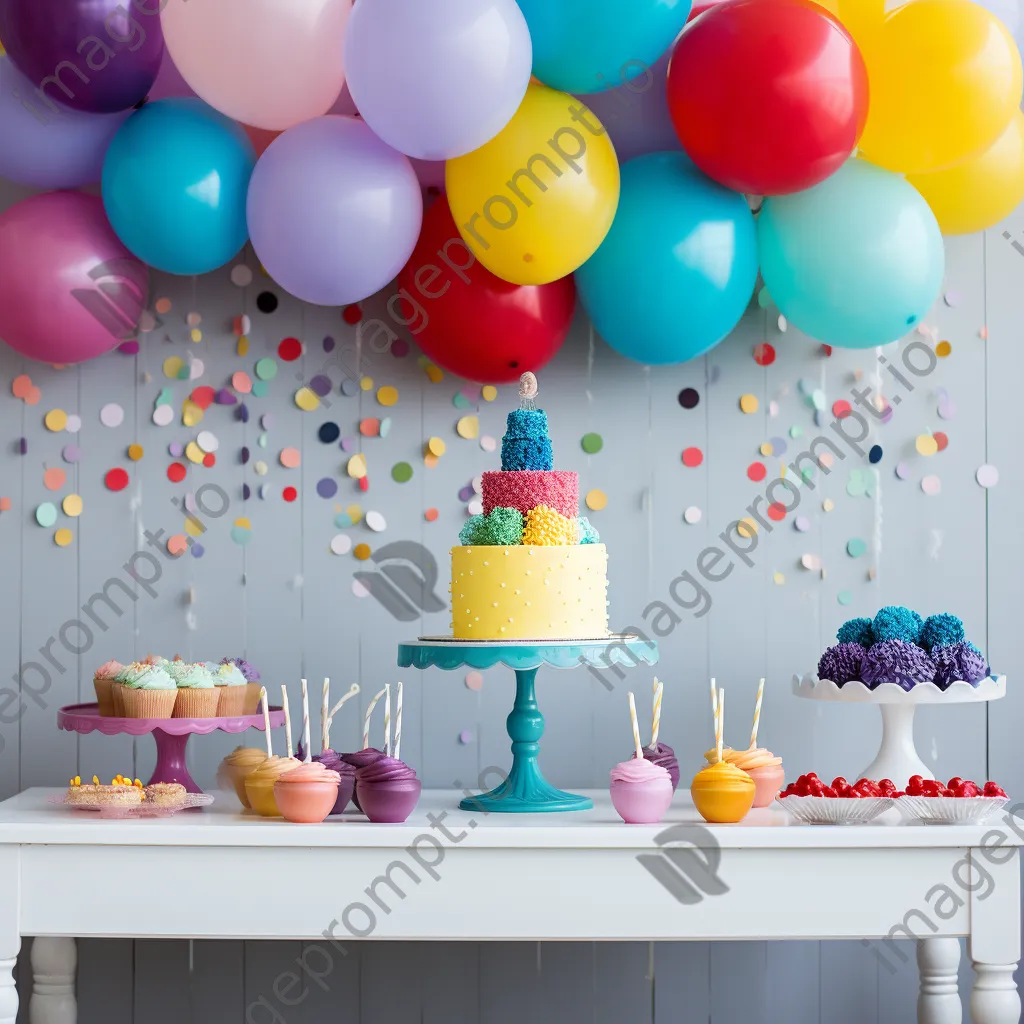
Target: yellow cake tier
[526, 592]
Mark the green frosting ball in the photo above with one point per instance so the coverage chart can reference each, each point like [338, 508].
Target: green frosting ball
[501, 527]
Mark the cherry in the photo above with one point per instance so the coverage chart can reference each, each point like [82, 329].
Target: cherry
[839, 783]
[993, 789]
[970, 789]
[829, 792]
[955, 781]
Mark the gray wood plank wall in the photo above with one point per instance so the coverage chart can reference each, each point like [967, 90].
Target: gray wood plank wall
[287, 604]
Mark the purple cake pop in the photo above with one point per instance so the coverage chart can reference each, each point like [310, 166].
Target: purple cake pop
[360, 759]
[388, 789]
[664, 756]
[841, 663]
[896, 661]
[332, 759]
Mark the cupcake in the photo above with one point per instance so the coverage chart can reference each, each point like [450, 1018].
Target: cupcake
[251, 703]
[761, 765]
[347, 774]
[197, 697]
[896, 661]
[103, 681]
[166, 794]
[307, 793]
[722, 793]
[388, 789]
[641, 791]
[147, 691]
[259, 784]
[664, 755]
[231, 689]
[236, 767]
[841, 663]
[117, 686]
[956, 661]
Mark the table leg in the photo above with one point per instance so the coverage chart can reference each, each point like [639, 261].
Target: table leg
[53, 981]
[939, 999]
[8, 991]
[994, 999]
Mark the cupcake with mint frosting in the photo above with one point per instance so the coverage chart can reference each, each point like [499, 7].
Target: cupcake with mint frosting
[231, 687]
[147, 691]
[253, 685]
[197, 696]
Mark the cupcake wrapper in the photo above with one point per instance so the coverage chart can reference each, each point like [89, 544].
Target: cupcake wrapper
[231, 702]
[104, 696]
[117, 699]
[192, 702]
[251, 705]
[148, 703]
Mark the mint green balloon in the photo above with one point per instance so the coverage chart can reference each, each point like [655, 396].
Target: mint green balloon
[856, 261]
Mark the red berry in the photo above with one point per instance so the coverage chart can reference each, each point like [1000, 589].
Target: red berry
[839, 782]
[930, 787]
[812, 776]
[830, 792]
[916, 779]
[970, 789]
[887, 786]
[853, 793]
[955, 781]
[993, 789]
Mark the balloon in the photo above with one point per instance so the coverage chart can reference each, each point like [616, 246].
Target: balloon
[856, 261]
[169, 82]
[636, 114]
[174, 186]
[95, 55]
[945, 82]
[678, 267]
[456, 71]
[1010, 14]
[979, 193]
[49, 146]
[536, 201]
[268, 63]
[767, 96]
[471, 322]
[69, 290]
[333, 212]
[592, 45]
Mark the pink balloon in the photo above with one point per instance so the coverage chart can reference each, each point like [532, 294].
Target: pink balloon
[267, 63]
[69, 290]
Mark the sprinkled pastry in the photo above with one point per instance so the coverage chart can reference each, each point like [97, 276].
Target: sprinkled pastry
[856, 631]
[894, 622]
[941, 631]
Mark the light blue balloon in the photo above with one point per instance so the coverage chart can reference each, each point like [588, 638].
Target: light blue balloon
[592, 45]
[677, 269]
[856, 261]
[174, 186]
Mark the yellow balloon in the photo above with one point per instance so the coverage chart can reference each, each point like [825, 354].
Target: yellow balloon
[981, 191]
[945, 81]
[536, 201]
[861, 18]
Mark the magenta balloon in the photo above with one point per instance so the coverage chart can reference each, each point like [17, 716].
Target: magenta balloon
[69, 290]
[95, 55]
[636, 114]
[169, 84]
[44, 147]
[333, 212]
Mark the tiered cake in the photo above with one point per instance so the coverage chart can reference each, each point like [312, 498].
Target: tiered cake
[530, 567]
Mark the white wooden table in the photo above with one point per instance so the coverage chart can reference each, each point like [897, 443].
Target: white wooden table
[456, 875]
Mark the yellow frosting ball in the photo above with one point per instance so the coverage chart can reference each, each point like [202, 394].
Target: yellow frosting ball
[545, 527]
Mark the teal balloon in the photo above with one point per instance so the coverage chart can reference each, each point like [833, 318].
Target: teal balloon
[586, 46]
[856, 261]
[175, 180]
[677, 269]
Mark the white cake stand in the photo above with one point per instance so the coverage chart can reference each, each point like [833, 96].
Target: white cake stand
[897, 756]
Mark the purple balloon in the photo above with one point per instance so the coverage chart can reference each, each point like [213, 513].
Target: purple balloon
[636, 115]
[49, 147]
[333, 212]
[100, 56]
[169, 82]
[455, 71]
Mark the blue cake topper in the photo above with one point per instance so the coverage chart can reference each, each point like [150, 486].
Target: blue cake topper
[526, 444]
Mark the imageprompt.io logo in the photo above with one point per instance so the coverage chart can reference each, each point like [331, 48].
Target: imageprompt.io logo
[404, 581]
[687, 863]
[119, 297]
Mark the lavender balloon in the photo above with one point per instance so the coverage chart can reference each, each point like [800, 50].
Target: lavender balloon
[99, 56]
[437, 78]
[333, 212]
[48, 145]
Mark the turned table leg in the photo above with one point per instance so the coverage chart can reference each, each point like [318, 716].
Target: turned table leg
[994, 999]
[8, 991]
[53, 981]
[939, 998]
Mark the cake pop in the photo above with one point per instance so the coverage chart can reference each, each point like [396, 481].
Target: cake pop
[661, 753]
[259, 783]
[331, 758]
[387, 787]
[641, 790]
[367, 755]
[722, 792]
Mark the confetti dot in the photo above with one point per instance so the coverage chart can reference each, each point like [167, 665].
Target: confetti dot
[376, 522]
[307, 399]
[810, 562]
[241, 382]
[266, 302]
[266, 421]
[844, 597]
[46, 514]
[827, 505]
[748, 403]
[689, 398]
[802, 524]
[596, 500]
[21, 386]
[767, 449]
[163, 415]
[692, 515]
[63, 537]
[931, 485]
[329, 433]
[488, 443]
[431, 515]
[362, 552]
[260, 389]
[176, 472]
[902, 470]
[987, 476]
[74, 424]
[177, 544]
[468, 427]
[841, 409]
[926, 445]
[341, 544]
[437, 447]
[112, 415]
[795, 432]
[56, 419]
[946, 409]
[266, 368]
[489, 392]
[591, 443]
[135, 452]
[366, 383]
[430, 461]
[746, 528]
[349, 387]
[162, 306]
[475, 507]
[320, 385]
[241, 532]
[875, 455]
[53, 479]
[194, 453]
[72, 505]
[34, 396]
[191, 413]
[757, 471]
[195, 335]
[692, 457]
[387, 395]
[289, 494]
[779, 579]
[259, 467]
[943, 349]
[116, 480]
[326, 487]
[777, 511]
[952, 298]
[290, 458]
[855, 547]
[401, 472]
[5, 504]
[764, 354]
[241, 275]
[289, 350]
[369, 427]
[941, 440]
[357, 467]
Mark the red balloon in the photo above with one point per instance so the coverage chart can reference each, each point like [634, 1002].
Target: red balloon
[700, 6]
[767, 96]
[472, 323]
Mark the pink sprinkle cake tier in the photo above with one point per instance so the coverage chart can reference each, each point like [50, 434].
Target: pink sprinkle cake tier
[525, 489]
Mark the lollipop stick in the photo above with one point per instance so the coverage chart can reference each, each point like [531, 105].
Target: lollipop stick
[659, 690]
[352, 691]
[325, 703]
[387, 718]
[307, 754]
[636, 728]
[266, 719]
[721, 723]
[757, 714]
[398, 723]
[287, 720]
[714, 700]
[366, 723]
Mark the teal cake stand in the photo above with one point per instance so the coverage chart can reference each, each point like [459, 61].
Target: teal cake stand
[526, 791]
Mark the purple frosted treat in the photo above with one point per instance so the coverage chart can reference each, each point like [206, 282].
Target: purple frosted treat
[360, 759]
[388, 789]
[251, 675]
[842, 663]
[896, 661]
[664, 756]
[332, 759]
[958, 661]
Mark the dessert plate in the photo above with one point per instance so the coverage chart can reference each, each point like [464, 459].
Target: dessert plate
[827, 810]
[950, 810]
[135, 811]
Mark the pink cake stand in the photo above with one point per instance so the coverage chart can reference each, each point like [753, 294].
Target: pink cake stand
[171, 734]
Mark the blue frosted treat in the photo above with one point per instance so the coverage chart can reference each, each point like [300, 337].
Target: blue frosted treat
[526, 444]
[896, 661]
[941, 630]
[958, 661]
[588, 533]
[894, 622]
[841, 663]
[856, 631]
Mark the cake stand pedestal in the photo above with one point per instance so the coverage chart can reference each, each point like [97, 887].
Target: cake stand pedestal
[897, 757]
[171, 734]
[526, 791]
